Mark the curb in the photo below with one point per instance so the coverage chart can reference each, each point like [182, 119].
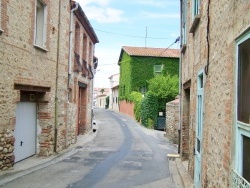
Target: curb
[24, 169]
[186, 179]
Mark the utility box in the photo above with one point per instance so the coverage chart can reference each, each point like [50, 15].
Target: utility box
[161, 123]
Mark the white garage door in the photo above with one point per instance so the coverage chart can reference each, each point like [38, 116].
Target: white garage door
[25, 130]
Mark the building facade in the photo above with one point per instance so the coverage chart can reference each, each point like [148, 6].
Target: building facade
[140, 64]
[36, 83]
[215, 95]
[114, 95]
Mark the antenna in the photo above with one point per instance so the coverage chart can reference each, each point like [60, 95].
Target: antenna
[146, 36]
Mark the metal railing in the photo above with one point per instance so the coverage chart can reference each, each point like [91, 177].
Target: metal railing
[238, 181]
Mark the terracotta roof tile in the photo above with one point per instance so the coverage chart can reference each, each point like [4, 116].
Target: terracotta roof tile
[151, 52]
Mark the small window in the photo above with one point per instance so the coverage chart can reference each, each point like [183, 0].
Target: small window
[196, 7]
[158, 69]
[143, 90]
[40, 28]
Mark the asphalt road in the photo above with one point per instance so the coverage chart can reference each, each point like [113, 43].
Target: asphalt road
[123, 154]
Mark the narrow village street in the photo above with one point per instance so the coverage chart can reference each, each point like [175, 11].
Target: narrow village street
[123, 154]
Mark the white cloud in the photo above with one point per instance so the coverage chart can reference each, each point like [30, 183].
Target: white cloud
[158, 15]
[100, 11]
[104, 14]
[98, 2]
[155, 3]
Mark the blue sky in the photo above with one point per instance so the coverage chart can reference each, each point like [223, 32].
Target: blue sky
[120, 23]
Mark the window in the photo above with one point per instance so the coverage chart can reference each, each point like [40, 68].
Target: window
[77, 38]
[196, 15]
[183, 22]
[90, 53]
[84, 48]
[158, 69]
[243, 109]
[40, 28]
[196, 7]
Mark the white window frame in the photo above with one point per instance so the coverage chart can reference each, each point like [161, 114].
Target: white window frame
[242, 129]
[44, 29]
[158, 69]
[196, 7]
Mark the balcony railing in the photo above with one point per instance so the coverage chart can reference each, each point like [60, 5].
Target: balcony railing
[238, 181]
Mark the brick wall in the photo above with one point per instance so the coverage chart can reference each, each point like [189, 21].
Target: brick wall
[127, 108]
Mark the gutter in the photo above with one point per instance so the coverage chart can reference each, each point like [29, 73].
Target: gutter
[180, 88]
[70, 39]
[57, 72]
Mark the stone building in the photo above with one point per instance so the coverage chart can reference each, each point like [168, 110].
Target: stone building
[39, 85]
[215, 95]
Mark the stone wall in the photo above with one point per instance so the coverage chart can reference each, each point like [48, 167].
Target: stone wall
[43, 71]
[227, 21]
[6, 149]
[172, 120]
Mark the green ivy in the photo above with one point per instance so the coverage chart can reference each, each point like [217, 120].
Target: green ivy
[136, 71]
[136, 98]
[149, 112]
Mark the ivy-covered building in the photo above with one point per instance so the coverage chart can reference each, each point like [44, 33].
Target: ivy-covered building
[139, 64]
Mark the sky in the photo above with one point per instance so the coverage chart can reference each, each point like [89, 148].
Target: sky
[117, 23]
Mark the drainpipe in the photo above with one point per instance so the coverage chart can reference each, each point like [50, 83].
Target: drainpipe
[70, 60]
[70, 39]
[180, 89]
[57, 72]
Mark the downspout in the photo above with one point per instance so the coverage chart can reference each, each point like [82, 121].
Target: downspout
[57, 72]
[180, 89]
[70, 63]
[70, 41]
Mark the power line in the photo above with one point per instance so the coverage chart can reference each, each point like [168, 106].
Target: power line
[108, 64]
[176, 40]
[134, 36]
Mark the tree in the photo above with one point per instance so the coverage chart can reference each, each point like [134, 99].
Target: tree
[164, 87]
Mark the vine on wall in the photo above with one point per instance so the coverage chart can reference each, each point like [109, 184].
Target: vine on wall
[137, 72]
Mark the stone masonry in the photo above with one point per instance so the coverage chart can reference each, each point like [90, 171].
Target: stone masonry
[212, 44]
[30, 73]
[172, 120]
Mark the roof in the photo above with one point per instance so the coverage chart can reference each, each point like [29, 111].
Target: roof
[150, 52]
[85, 22]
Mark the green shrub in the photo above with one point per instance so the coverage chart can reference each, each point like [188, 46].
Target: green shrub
[149, 110]
[136, 98]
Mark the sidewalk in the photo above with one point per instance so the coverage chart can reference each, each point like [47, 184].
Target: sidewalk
[35, 163]
[179, 172]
